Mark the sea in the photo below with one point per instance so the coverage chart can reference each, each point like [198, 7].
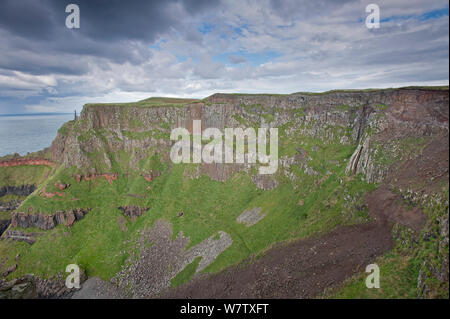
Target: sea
[24, 133]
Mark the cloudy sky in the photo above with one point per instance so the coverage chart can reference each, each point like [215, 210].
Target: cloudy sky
[130, 50]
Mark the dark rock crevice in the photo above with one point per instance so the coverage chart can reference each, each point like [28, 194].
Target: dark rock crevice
[22, 190]
[4, 224]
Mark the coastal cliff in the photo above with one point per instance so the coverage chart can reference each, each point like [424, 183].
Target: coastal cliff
[372, 120]
[377, 159]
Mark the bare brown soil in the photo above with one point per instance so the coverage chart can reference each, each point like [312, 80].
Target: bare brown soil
[302, 269]
[427, 172]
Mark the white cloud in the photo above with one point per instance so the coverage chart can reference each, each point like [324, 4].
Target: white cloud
[321, 45]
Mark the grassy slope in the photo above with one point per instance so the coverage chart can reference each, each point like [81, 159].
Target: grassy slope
[151, 102]
[438, 88]
[19, 175]
[96, 241]
[98, 244]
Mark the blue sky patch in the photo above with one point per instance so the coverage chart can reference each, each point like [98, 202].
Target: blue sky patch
[255, 59]
[434, 14]
[205, 28]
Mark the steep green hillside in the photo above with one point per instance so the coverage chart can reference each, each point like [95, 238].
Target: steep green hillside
[334, 149]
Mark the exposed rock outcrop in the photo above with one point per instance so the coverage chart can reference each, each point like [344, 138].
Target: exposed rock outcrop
[362, 162]
[161, 261]
[10, 270]
[96, 288]
[22, 190]
[250, 216]
[48, 221]
[61, 186]
[91, 177]
[133, 211]
[32, 287]
[22, 288]
[17, 235]
[11, 205]
[4, 223]
[152, 175]
[55, 287]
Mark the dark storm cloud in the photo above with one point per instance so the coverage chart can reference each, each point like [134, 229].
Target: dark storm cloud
[103, 20]
[28, 19]
[117, 30]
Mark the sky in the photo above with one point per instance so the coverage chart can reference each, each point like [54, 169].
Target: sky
[130, 50]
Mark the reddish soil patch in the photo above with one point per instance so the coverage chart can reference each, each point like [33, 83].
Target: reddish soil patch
[61, 186]
[108, 176]
[151, 176]
[50, 195]
[22, 162]
[389, 206]
[427, 172]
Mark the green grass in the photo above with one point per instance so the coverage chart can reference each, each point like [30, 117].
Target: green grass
[150, 102]
[398, 279]
[186, 274]
[381, 106]
[11, 197]
[404, 148]
[20, 175]
[5, 215]
[65, 128]
[343, 107]
[435, 88]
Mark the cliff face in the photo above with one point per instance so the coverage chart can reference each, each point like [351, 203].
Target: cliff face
[371, 121]
[371, 159]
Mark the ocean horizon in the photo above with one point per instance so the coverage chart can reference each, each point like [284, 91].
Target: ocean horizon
[29, 132]
[33, 114]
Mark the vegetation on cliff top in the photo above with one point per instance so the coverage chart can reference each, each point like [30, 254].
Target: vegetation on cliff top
[150, 102]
